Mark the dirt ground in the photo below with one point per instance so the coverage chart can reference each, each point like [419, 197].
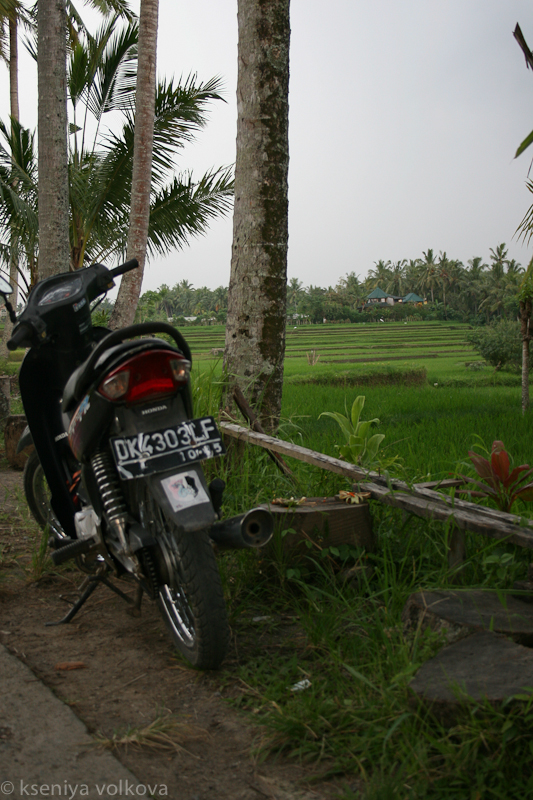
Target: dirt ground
[131, 675]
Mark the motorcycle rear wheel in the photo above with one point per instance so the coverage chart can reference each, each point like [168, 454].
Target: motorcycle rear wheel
[192, 601]
[38, 495]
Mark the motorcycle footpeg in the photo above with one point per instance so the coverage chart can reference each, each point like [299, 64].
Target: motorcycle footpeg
[55, 542]
[77, 547]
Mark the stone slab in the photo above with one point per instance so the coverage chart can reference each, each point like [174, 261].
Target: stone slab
[43, 743]
[483, 667]
[475, 610]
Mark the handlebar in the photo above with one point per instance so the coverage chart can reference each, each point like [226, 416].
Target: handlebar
[95, 283]
[21, 336]
[126, 267]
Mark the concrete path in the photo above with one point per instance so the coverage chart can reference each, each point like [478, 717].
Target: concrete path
[45, 750]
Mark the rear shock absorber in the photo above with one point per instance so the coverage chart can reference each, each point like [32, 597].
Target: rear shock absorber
[111, 496]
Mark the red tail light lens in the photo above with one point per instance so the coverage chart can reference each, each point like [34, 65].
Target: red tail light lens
[152, 374]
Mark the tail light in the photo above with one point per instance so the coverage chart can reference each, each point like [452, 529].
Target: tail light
[152, 374]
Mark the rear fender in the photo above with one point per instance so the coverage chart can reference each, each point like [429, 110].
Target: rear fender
[184, 497]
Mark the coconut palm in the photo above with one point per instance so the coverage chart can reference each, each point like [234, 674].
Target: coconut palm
[18, 201]
[397, 281]
[350, 290]
[428, 273]
[380, 275]
[498, 256]
[101, 80]
[295, 289]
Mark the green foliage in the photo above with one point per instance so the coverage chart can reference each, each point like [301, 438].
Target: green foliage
[354, 717]
[500, 343]
[361, 447]
[497, 481]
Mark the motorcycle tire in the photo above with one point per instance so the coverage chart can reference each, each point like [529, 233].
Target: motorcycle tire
[38, 494]
[192, 603]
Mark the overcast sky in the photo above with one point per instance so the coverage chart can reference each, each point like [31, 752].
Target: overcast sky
[404, 119]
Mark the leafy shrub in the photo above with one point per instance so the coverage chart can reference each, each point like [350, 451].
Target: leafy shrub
[361, 448]
[500, 344]
[497, 481]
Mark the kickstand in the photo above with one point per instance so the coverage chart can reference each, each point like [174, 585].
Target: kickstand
[86, 589]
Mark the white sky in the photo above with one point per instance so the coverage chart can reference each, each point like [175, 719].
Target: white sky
[404, 119]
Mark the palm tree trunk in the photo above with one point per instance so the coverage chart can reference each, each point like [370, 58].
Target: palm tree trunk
[255, 330]
[13, 68]
[525, 316]
[14, 109]
[52, 138]
[130, 286]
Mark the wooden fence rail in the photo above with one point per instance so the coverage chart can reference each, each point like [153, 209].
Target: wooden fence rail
[421, 499]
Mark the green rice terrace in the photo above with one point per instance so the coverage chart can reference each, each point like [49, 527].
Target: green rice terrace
[434, 395]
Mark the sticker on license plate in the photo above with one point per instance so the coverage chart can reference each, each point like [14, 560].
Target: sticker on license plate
[157, 451]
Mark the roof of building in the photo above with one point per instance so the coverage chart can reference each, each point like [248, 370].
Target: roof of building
[377, 294]
[413, 298]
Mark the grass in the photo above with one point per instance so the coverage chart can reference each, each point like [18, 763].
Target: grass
[165, 733]
[357, 716]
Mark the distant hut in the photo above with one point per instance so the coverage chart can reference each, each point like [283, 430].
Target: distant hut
[380, 298]
[414, 298]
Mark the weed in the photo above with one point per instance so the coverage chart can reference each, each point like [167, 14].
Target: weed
[165, 733]
[40, 561]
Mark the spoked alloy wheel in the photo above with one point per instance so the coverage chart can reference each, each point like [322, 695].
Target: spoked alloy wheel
[190, 594]
[38, 495]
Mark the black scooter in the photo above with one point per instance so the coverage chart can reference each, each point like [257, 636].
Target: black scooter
[116, 474]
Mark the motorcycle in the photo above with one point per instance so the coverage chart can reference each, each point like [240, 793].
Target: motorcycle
[116, 473]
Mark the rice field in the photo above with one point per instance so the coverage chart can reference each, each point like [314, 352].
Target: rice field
[434, 398]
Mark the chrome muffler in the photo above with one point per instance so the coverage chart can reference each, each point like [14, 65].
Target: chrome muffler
[253, 529]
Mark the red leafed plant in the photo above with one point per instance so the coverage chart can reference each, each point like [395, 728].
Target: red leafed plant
[497, 480]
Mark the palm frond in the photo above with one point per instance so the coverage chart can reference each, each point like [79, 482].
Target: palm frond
[184, 209]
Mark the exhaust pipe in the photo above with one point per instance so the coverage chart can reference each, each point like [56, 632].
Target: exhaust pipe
[253, 529]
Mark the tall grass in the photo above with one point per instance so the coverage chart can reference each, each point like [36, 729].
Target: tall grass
[355, 717]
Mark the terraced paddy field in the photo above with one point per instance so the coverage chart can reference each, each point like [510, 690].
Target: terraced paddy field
[353, 343]
[434, 398]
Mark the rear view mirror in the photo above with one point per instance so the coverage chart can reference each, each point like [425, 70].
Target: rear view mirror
[5, 287]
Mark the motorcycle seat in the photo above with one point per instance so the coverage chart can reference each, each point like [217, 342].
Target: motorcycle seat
[84, 376]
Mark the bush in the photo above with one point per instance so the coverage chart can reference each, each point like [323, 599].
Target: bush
[500, 343]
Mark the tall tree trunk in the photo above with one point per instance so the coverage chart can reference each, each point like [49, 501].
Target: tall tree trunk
[255, 330]
[52, 138]
[13, 249]
[525, 317]
[130, 286]
[13, 68]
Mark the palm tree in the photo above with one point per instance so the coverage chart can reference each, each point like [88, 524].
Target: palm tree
[18, 202]
[257, 302]
[101, 80]
[52, 144]
[100, 168]
[499, 260]
[295, 289]
[143, 141]
[350, 290]
[396, 284]
[472, 281]
[428, 273]
[380, 275]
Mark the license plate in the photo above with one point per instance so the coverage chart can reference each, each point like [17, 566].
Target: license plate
[157, 451]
